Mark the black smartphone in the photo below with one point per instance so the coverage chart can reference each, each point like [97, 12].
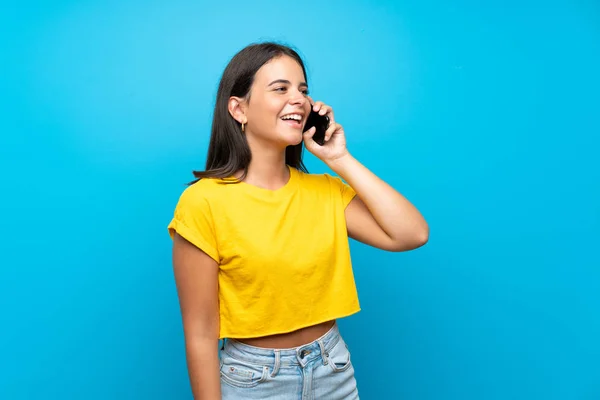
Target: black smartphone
[321, 122]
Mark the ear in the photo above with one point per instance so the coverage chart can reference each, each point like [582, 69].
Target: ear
[237, 109]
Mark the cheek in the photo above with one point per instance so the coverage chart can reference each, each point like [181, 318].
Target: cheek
[265, 119]
[261, 114]
[268, 111]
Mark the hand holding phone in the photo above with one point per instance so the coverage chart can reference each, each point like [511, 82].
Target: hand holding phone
[320, 122]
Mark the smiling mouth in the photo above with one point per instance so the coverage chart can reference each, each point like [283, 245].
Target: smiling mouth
[294, 120]
[293, 117]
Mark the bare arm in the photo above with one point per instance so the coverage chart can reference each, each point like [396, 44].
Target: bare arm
[196, 277]
[379, 216]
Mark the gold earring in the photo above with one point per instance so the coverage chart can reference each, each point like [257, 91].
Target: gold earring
[243, 126]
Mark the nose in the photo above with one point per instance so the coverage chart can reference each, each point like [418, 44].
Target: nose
[297, 98]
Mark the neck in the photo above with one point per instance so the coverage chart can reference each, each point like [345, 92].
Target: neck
[267, 169]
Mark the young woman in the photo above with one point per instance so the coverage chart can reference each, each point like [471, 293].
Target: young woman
[261, 255]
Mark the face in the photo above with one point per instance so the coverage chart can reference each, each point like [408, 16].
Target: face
[278, 105]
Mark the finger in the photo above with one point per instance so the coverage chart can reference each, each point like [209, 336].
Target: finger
[331, 116]
[331, 130]
[307, 138]
[331, 119]
[317, 106]
[310, 132]
[327, 110]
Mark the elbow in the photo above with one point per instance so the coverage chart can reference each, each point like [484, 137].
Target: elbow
[417, 239]
[422, 239]
[201, 346]
[423, 236]
[419, 235]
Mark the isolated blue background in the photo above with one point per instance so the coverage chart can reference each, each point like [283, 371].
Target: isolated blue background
[485, 115]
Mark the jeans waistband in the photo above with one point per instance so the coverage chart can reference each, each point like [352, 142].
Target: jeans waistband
[301, 355]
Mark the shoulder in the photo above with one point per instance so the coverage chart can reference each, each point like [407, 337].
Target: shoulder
[320, 180]
[202, 192]
[329, 183]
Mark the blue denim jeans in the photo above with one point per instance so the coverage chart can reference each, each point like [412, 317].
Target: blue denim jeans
[318, 370]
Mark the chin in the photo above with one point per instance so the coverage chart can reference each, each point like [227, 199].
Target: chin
[291, 139]
[297, 141]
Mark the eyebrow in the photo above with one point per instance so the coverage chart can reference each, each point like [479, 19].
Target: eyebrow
[285, 81]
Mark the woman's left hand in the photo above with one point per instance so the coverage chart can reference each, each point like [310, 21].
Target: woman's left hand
[335, 139]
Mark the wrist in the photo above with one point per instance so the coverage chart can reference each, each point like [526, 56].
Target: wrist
[339, 164]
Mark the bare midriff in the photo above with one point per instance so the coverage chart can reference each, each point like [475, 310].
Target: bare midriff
[288, 340]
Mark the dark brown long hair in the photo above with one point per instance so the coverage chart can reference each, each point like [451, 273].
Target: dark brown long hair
[228, 150]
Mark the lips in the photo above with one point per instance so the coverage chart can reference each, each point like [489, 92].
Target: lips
[293, 124]
[293, 116]
[293, 119]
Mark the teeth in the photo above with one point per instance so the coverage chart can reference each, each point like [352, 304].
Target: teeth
[295, 117]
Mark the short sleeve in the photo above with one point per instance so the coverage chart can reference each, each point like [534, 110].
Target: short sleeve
[193, 221]
[345, 190]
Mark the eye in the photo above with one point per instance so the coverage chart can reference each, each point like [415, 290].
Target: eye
[305, 92]
[280, 89]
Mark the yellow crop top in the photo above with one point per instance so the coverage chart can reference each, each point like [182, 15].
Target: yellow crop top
[283, 255]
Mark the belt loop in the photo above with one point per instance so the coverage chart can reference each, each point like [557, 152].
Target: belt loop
[324, 353]
[277, 363]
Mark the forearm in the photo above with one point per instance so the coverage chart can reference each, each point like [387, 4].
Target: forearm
[203, 368]
[394, 214]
